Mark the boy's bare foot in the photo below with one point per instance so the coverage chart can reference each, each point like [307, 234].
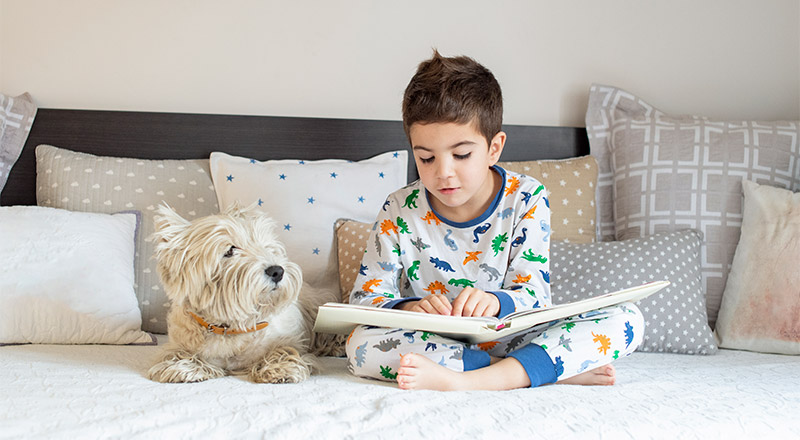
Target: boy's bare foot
[417, 372]
[605, 375]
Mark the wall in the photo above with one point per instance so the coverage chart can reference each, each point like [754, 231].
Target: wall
[352, 59]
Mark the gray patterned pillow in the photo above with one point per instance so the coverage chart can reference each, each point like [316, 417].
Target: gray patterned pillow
[674, 172]
[83, 182]
[675, 317]
[16, 118]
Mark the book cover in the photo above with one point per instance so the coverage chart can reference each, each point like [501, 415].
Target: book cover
[342, 318]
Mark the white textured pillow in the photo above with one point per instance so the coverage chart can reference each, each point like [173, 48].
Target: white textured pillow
[306, 198]
[761, 305]
[67, 278]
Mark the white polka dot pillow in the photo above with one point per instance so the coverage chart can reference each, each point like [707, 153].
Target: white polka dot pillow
[570, 185]
[675, 317]
[306, 198]
[84, 182]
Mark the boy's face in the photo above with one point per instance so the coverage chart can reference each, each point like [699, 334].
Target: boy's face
[453, 161]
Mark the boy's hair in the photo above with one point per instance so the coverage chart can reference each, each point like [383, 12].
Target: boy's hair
[453, 89]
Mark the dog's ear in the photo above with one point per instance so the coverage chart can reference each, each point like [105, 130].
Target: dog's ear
[168, 223]
[236, 209]
[232, 209]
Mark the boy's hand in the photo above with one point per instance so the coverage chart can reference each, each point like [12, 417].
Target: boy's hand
[436, 304]
[475, 302]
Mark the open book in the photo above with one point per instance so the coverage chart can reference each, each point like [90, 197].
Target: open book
[342, 318]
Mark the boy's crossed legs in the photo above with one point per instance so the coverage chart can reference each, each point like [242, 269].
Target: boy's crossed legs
[577, 350]
[418, 372]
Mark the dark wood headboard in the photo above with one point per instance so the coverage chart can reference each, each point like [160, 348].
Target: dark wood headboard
[191, 136]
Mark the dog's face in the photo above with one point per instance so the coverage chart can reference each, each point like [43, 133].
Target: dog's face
[228, 267]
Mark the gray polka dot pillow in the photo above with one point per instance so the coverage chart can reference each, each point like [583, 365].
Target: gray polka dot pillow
[675, 317]
[84, 182]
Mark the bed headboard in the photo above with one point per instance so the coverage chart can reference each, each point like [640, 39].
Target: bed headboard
[149, 135]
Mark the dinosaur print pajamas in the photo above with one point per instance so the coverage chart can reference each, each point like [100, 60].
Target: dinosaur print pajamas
[413, 251]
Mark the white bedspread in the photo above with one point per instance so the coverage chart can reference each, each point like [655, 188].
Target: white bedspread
[100, 391]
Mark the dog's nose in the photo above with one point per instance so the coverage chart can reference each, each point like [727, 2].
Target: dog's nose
[274, 272]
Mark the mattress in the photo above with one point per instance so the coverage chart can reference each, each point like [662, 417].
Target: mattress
[94, 391]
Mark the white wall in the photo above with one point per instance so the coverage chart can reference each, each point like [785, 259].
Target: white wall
[352, 59]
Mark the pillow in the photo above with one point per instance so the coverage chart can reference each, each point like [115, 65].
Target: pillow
[570, 185]
[306, 198]
[606, 105]
[675, 317]
[351, 242]
[83, 182]
[674, 172]
[16, 118]
[67, 278]
[760, 308]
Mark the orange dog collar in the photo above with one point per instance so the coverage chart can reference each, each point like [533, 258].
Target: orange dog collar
[225, 330]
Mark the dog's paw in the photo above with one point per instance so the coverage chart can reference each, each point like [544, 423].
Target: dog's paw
[282, 365]
[178, 369]
[324, 344]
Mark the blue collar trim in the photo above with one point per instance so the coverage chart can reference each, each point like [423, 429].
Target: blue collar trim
[486, 214]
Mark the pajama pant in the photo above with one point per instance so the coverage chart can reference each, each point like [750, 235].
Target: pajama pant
[573, 345]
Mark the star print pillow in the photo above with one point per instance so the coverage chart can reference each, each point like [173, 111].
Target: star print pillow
[570, 185]
[675, 317]
[305, 198]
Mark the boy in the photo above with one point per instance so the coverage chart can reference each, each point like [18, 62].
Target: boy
[471, 239]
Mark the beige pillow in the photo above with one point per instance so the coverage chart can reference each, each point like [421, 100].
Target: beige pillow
[570, 184]
[760, 308]
[351, 242]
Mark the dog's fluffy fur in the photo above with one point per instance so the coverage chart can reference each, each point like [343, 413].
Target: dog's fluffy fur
[222, 269]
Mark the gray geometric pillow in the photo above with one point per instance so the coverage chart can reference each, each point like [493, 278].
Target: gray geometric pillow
[83, 182]
[675, 317]
[663, 172]
[16, 118]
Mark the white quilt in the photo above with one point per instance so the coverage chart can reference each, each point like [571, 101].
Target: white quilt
[95, 391]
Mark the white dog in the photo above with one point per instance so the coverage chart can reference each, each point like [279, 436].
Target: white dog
[238, 305]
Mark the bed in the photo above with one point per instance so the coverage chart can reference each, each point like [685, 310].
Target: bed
[101, 391]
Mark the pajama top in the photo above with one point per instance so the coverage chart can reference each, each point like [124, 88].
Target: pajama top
[413, 251]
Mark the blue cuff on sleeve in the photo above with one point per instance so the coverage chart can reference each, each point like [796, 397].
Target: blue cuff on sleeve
[507, 305]
[537, 364]
[395, 302]
[474, 359]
